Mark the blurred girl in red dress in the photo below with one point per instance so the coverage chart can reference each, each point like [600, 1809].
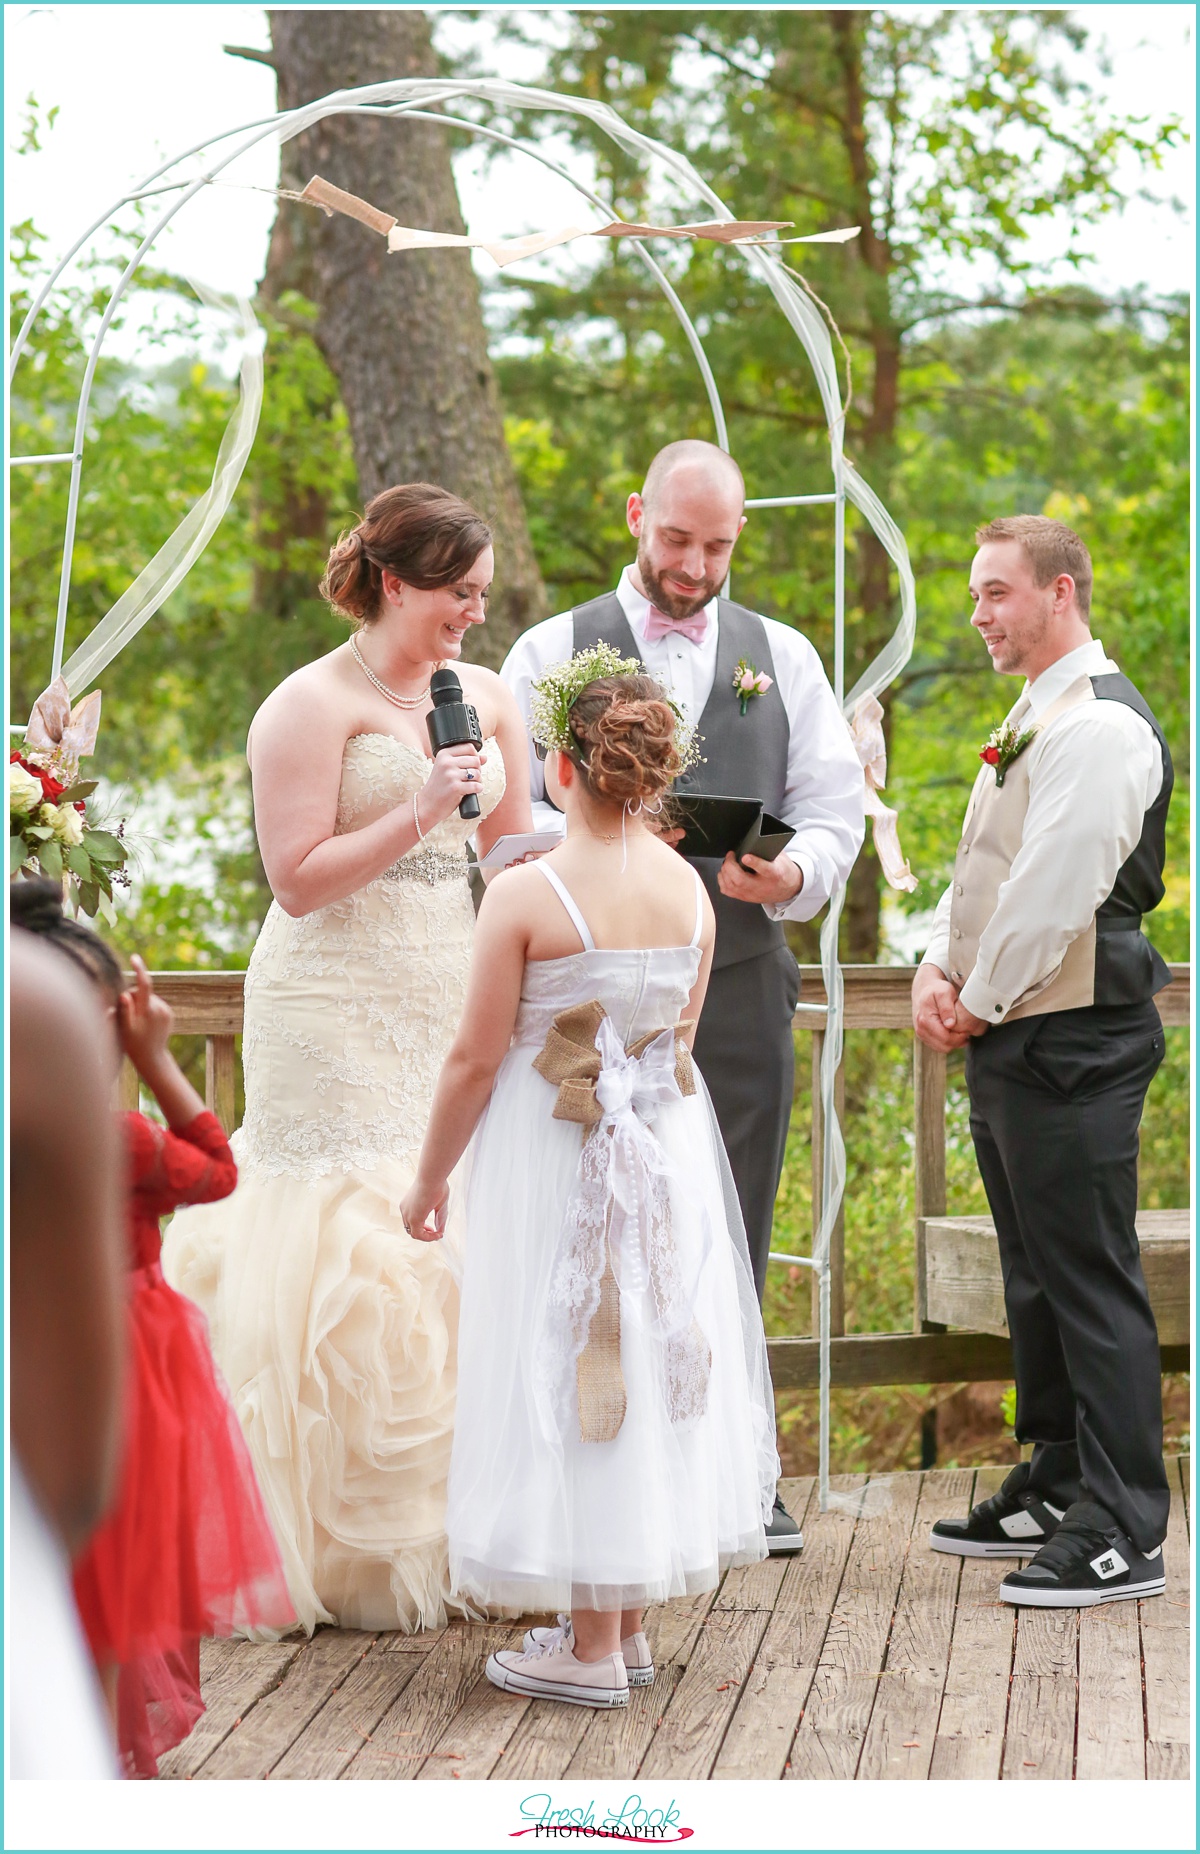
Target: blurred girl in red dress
[186, 1550]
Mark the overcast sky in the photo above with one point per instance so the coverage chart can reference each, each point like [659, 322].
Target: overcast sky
[136, 84]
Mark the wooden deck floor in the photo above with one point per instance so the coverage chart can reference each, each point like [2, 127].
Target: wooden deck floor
[868, 1657]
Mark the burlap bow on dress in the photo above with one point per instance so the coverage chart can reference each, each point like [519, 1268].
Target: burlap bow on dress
[620, 1211]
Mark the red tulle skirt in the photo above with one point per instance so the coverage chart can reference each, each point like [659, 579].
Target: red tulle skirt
[187, 1549]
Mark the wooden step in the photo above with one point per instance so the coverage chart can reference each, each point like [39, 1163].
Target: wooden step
[963, 1285]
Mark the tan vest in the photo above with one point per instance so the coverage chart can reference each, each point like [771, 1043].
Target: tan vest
[992, 833]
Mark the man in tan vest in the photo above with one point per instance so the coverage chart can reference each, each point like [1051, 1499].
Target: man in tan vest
[1039, 968]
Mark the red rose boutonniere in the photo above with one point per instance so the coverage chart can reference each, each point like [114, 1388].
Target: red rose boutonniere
[1003, 746]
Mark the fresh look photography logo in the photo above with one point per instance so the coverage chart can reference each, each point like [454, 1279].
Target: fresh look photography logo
[631, 1820]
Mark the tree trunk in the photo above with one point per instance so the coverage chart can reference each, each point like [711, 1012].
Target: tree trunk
[403, 333]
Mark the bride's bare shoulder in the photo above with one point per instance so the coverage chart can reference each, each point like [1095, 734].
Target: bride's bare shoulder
[491, 696]
[319, 696]
[314, 685]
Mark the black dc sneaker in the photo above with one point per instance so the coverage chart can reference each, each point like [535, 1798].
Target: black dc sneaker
[1011, 1524]
[1089, 1560]
[784, 1538]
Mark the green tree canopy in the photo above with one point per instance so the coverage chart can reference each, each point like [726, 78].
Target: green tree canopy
[949, 138]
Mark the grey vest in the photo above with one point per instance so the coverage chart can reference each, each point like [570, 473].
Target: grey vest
[745, 756]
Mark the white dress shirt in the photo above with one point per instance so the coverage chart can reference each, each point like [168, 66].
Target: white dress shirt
[1092, 777]
[823, 793]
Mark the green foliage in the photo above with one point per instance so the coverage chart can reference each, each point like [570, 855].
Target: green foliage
[182, 694]
[1007, 391]
[34, 126]
[1080, 416]
[185, 689]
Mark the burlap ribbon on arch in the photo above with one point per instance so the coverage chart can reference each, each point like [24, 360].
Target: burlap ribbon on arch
[600, 1088]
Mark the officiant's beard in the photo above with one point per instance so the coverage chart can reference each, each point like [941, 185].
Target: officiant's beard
[673, 604]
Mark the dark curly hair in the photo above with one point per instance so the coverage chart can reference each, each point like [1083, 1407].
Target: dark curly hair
[35, 905]
[626, 729]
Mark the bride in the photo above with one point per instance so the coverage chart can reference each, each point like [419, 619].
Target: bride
[334, 1329]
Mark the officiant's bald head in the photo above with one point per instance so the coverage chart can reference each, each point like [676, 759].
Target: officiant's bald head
[698, 464]
[686, 520]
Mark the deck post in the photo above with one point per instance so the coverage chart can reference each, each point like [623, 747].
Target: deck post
[220, 1079]
[929, 1157]
[129, 1087]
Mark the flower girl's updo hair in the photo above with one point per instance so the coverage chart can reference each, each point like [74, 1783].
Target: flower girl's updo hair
[625, 727]
[424, 535]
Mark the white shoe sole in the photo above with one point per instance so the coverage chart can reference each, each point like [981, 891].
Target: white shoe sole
[1080, 1599]
[637, 1676]
[976, 1548]
[786, 1547]
[510, 1682]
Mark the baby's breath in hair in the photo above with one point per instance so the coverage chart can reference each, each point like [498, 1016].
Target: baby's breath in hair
[559, 687]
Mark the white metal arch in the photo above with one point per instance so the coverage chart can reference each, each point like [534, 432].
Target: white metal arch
[414, 97]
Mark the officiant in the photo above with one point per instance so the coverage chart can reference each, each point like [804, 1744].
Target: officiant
[782, 742]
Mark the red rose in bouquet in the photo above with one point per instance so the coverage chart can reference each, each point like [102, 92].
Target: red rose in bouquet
[52, 788]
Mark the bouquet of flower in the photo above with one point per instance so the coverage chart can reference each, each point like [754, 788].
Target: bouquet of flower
[48, 824]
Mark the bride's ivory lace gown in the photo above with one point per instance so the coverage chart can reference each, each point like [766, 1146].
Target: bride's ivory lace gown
[335, 1331]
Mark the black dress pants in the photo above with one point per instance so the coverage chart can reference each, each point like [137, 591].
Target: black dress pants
[1056, 1101]
[745, 1053]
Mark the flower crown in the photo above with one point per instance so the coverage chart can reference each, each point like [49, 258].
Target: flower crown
[559, 687]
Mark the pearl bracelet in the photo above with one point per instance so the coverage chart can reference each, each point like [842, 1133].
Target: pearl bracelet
[417, 819]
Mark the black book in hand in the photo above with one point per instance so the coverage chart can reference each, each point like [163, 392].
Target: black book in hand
[714, 826]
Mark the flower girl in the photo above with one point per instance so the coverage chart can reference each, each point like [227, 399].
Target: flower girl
[614, 1442]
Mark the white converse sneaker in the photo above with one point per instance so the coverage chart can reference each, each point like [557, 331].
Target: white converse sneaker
[635, 1649]
[550, 1671]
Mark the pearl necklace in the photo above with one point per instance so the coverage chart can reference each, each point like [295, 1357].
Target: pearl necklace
[398, 701]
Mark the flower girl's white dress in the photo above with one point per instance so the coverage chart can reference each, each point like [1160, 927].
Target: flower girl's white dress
[551, 1343]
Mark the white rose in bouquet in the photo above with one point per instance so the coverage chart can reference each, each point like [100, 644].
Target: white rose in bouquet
[68, 825]
[24, 791]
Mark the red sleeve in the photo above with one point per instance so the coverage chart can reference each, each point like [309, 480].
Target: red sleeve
[191, 1166]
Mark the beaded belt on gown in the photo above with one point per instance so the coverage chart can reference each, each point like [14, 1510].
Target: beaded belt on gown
[427, 865]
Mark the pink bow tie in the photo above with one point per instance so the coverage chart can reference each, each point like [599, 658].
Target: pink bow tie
[659, 625]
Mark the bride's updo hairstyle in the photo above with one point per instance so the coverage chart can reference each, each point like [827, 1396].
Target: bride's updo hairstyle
[424, 535]
[626, 732]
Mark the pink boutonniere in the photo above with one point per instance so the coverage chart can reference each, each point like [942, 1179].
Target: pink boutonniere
[749, 682]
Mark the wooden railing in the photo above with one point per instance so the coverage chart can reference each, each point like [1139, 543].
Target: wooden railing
[209, 1004]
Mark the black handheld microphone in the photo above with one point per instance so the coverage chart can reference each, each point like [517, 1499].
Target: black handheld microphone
[453, 723]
